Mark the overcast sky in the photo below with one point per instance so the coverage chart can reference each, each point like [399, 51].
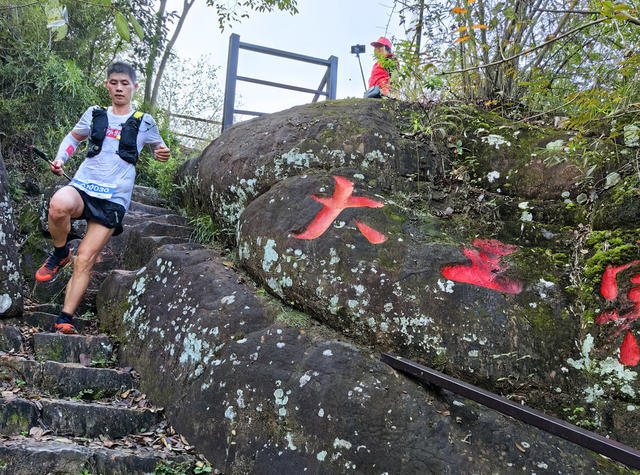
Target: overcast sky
[322, 28]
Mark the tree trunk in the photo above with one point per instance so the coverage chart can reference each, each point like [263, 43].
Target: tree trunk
[167, 52]
[153, 54]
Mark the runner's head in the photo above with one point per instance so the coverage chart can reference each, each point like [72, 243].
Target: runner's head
[121, 83]
[122, 68]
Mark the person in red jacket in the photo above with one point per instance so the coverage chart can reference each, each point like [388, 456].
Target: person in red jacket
[381, 72]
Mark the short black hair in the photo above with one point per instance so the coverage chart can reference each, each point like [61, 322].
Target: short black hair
[387, 48]
[120, 67]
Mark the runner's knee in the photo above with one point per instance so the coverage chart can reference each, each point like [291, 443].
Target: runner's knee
[61, 206]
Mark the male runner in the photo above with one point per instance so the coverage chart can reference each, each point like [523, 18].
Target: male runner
[100, 191]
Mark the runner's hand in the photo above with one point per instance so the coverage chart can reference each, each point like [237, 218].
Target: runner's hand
[162, 153]
[56, 167]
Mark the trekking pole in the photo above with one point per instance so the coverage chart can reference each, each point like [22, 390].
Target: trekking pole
[357, 49]
[43, 156]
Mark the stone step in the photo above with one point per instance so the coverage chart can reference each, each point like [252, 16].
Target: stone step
[52, 308]
[136, 207]
[153, 228]
[45, 321]
[68, 348]
[139, 252]
[10, 338]
[73, 418]
[30, 456]
[67, 379]
[81, 419]
[133, 219]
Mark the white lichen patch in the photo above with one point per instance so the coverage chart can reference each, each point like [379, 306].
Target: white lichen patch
[270, 255]
[304, 379]
[493, 176]
[556, 145]
[495, 140]
[446, 286]
[5, 303]
[342, 444]
[230, 413]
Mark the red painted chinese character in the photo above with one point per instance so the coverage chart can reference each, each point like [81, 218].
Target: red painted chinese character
[332, 207]
[485, 269]
[629, 352]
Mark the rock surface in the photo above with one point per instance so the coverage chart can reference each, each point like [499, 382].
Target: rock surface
[10, 276]
[402, 295]
[252, 391]
[497, 263]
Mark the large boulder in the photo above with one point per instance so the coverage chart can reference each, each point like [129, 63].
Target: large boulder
[251, 156]
[482, 262]
[259, 391]
[482, 309]
[10, 276]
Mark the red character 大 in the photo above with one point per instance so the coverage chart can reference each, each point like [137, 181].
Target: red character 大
[629, 351]
[485, 269]
[332, 207]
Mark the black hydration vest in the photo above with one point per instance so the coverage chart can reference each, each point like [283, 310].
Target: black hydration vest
[127, 149]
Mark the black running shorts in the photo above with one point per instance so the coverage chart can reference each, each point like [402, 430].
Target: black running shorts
[101, 211]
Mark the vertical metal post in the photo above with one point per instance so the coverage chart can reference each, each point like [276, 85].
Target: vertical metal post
[332, 84]
[230, 86]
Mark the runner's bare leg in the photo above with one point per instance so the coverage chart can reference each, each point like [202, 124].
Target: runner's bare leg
[65, 204]
[93, 242]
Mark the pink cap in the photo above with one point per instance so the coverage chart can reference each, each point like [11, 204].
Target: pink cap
[382, 41]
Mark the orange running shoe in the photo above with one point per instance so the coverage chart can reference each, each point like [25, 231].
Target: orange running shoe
[63, 325]
[51, 267]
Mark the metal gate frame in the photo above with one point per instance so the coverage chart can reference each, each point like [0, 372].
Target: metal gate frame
[329, 80]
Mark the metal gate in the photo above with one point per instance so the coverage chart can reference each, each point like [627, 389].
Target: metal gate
[326, 88]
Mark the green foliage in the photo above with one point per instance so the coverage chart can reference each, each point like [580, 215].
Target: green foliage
[170, 467]
[233, 14]
[161, 175]
[293, 318]
[529, 59]
[204, 230]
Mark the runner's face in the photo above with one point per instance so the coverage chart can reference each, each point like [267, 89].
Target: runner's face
[379, 52]
[120, 88]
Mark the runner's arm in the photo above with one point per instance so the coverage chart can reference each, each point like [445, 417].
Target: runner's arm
[71, 141]
[152, 137]
[68, 145]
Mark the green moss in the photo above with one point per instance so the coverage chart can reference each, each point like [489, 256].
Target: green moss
[293, 318]
[53, 351]
[439, 362]
[611, 247]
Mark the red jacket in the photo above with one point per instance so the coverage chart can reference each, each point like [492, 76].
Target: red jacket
[380, 76]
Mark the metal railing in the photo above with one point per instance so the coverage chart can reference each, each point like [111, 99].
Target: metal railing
[196, 119]
[329, 80]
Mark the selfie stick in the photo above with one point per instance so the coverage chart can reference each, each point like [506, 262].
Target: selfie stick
[356, 49]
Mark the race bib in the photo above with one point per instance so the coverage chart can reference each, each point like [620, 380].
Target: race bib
[97, 190]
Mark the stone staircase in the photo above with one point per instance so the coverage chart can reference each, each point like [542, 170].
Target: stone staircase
[66, 408]
[65, 405]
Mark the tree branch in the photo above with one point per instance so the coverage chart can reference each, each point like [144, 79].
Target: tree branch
[542, 45]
